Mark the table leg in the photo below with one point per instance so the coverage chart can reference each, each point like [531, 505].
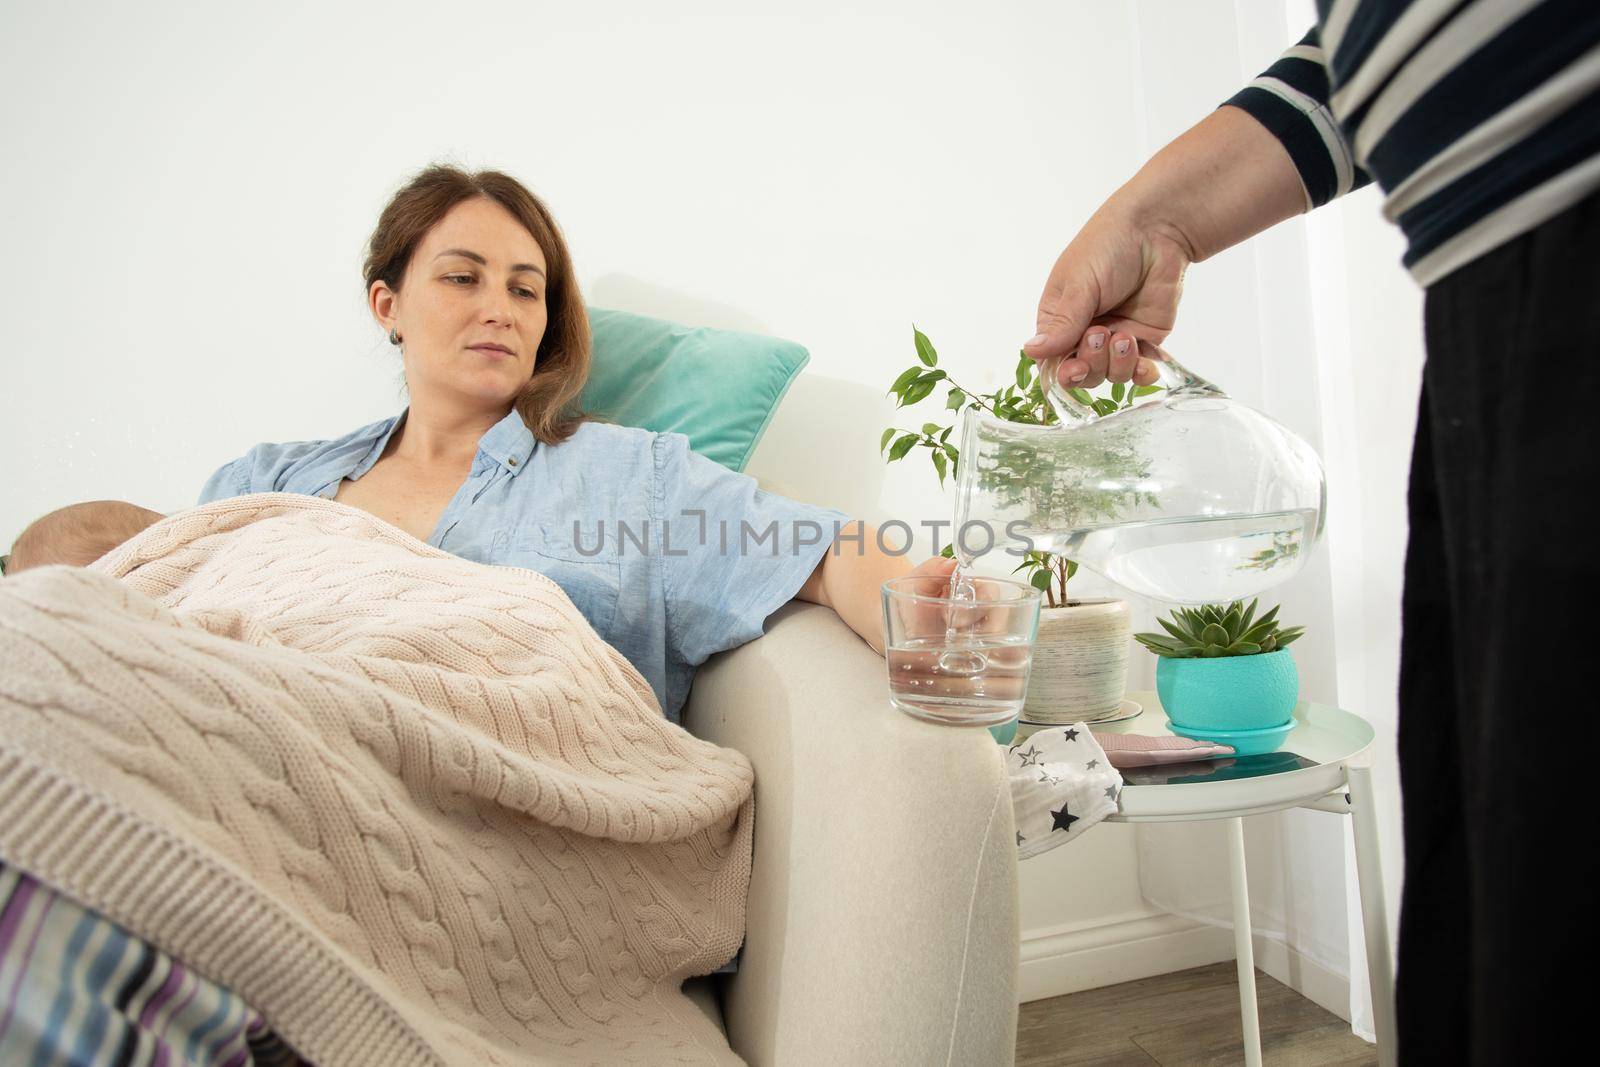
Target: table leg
[1374, 913]
[1244, 952]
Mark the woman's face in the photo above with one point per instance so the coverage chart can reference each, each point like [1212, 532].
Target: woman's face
[471, 308]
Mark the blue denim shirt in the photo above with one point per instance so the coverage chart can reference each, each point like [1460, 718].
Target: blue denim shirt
[669, 555]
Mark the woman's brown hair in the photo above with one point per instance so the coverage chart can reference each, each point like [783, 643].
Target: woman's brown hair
[547, 402]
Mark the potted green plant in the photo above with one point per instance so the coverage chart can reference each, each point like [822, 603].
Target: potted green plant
[1080, 658]
[1226, 676]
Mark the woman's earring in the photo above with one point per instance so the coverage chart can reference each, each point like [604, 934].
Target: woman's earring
[394, 338]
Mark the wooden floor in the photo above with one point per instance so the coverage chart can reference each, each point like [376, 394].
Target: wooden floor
[1189, 1019]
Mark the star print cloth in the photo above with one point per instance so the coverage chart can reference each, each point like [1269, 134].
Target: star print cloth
[1061, 784]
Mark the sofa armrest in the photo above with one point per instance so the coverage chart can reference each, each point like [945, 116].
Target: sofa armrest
[882, 918]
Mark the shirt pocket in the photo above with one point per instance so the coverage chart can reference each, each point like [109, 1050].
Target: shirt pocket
[593, 582]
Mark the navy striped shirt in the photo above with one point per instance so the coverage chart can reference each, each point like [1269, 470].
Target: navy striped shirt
[1479, 119]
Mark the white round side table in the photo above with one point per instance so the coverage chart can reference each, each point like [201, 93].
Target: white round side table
[1338, 746]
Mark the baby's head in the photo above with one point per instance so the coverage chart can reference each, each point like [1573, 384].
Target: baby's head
[79, 534]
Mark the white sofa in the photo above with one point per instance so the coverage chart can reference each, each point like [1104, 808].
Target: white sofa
[882, 920]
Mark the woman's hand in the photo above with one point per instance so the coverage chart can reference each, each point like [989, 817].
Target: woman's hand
[1111, 297]
[930, 618]
[934, 574]
[1113, 294]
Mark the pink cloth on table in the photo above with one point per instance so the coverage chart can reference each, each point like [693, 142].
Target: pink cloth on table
[1139, 750]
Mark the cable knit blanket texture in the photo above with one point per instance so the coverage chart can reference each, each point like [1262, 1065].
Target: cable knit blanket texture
[411, 808]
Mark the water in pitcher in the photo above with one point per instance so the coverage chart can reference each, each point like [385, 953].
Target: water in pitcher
[1190, 497]
[1203, 559]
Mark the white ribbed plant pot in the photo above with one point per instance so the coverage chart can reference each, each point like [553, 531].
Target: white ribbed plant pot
[1080, 662]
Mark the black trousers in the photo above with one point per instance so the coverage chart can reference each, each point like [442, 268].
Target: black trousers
[1502, 607]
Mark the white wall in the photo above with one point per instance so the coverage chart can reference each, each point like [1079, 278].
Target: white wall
[187, 190]
[189, 187]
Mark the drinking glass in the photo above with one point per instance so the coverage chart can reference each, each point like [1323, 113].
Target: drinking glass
[959, 662]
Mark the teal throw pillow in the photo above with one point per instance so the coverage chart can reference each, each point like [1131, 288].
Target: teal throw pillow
[717, 387]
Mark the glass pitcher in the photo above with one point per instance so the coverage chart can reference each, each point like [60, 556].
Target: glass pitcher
[1189, 498]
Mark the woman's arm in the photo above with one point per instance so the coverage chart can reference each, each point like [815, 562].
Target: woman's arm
[850, 577]
[1222, 181]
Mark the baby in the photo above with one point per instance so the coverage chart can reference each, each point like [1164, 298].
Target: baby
[78, 534]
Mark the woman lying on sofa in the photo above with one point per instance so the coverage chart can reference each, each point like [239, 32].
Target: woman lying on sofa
[470, 278]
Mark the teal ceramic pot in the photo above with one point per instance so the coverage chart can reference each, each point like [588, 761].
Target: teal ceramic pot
[1004, 732]
[1238, 696]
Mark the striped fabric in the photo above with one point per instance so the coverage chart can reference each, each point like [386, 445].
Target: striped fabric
[1479, 119]
[76, 989]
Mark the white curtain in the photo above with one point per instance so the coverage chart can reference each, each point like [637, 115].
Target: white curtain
[1316, 323]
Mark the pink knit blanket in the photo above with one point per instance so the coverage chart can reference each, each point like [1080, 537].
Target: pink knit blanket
[411, 808]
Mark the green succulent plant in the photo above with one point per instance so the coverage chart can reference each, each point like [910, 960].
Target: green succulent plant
[1219, 630]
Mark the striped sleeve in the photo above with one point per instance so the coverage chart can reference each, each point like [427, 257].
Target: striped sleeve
[77, 988]
[1290, 99]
